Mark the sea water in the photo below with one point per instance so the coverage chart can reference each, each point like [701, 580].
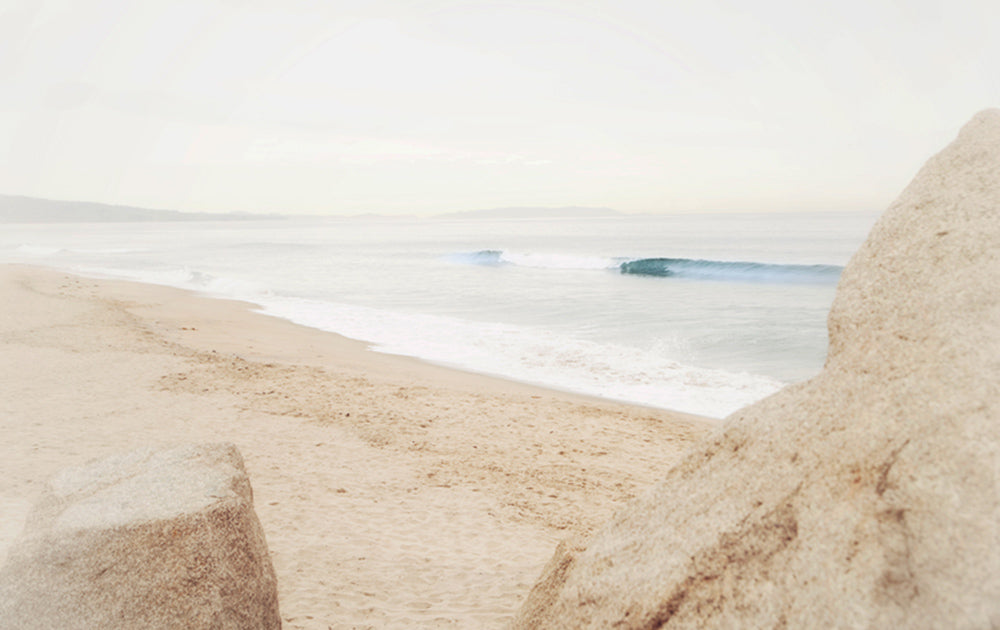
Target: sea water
[698, 313]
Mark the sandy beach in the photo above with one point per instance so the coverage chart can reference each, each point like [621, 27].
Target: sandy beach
[393, 493]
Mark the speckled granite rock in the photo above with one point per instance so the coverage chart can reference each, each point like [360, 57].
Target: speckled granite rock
[150, 539]
[868, 497]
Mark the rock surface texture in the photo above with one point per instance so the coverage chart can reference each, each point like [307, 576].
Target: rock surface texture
[867, 497]
[151, 539]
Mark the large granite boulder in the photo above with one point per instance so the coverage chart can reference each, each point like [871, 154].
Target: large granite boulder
[151, 539]
[867, 497]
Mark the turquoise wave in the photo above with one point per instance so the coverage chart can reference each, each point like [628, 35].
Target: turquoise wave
[731, 271]
[688, 268]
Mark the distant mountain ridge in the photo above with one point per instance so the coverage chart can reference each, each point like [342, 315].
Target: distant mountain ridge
[565, 212]
[19, 209]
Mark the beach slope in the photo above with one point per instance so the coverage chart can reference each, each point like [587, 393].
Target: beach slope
[392, 493]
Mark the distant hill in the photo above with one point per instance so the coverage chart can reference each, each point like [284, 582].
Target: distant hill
[567, 212]
[17, 209]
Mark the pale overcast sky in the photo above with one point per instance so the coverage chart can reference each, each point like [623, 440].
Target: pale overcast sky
[433, 106]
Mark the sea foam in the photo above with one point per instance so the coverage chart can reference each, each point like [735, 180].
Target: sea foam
[531, 355]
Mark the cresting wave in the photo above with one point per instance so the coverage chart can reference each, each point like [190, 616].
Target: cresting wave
[731, 271]
[695, 269]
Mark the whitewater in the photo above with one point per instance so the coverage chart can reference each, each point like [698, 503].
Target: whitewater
[697, 313]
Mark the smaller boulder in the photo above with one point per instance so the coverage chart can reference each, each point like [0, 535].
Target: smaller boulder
[149, 539]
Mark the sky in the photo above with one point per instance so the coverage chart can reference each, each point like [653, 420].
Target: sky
[427, 106]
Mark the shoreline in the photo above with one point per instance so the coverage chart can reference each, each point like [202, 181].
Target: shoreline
[393, 492]
[403, 364]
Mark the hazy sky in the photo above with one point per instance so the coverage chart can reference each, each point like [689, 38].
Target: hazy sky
[431, 106]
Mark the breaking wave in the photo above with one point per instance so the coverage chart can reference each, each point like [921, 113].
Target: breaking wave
[690, 268]
[731, 271]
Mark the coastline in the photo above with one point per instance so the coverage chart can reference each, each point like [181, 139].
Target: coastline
[393, 492]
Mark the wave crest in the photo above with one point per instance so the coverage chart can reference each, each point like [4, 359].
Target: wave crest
[695, 269]
[731, 271]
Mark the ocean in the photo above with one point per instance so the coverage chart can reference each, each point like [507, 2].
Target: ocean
[702, 313]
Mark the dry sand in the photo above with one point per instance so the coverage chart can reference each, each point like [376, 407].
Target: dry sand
[392, 493]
